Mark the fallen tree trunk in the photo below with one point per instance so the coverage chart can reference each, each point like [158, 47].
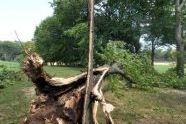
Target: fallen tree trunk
[59, 100]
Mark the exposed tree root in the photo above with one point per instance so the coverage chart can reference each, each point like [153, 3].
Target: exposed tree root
[59, 100]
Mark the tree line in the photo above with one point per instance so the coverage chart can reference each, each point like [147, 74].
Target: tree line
[62, 37]
[9, 51]
[12, 50]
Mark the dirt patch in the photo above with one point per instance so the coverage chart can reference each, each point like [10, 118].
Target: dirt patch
[174, 91]
[29, 91]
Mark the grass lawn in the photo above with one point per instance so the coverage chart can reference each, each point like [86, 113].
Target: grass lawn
[163, 106]
[13, 103]
[163, 67]
[15, 99]
[62, 71]
[133, 106]
[10, 65]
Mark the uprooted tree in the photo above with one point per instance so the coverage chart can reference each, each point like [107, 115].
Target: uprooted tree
[59, 100]
[71, 100]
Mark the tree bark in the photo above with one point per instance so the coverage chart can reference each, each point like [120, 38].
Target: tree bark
[152, 53]
[88, 104]
[179, 39]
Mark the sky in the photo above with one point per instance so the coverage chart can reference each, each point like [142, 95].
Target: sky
[22, 16]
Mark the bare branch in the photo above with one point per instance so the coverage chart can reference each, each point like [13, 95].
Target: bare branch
[19, 39]
[182, 4]
[94, 112]
[107, 109]
[96, 88]
[21, 43]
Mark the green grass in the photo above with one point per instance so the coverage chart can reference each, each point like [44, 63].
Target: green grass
[161, 68]
[62, 71]
[13, 103]
[161, 106]
[10, 65]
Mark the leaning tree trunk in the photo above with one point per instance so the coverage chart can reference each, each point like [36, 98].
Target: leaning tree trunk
[179, 39]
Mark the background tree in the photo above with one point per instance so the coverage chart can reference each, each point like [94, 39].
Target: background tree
[158, 24]
[9, 51]
[119, 20]
[179, 37]
[47, 39]
[62, 37]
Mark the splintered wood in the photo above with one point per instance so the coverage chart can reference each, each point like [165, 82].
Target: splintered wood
[59, 100]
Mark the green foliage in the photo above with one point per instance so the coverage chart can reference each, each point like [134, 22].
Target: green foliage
[47, 39]
[8, 77]
[120, 20]
[161, 22]
[57, 43]
[136, 66]
[71, 12]
[63, 38]
[9, 51]
[12, 51]
[165, 55]
[171, 79]
[113, 83]
[79, 34]
[139, 69]
[29, 45]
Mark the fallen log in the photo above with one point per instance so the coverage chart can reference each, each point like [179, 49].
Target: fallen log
[60, 100]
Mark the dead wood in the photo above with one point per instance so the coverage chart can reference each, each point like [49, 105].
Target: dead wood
[60, 100]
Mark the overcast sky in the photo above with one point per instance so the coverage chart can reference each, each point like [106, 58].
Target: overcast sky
[22, 16]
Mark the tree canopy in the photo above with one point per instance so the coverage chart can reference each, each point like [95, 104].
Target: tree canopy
[62, 37]
[9, 50]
